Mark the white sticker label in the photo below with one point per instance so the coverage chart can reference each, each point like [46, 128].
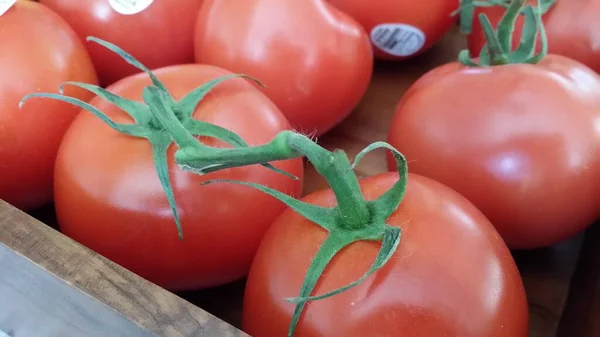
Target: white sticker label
[398, 39]
[129, 7]
[5, 5]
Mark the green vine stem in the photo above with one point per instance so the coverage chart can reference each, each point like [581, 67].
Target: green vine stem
[161, 120]
[147, 126]
[467, 10]
[498, 48]
[352, 219]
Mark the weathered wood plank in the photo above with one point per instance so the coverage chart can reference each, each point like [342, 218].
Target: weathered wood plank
[143, 303]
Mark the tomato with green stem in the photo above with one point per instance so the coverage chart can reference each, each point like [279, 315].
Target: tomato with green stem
[401, 29]
[315, 61]
[450, 275]
[112, 174]
[517, 134]
[39, 51]
[160, 35]
[571, 26]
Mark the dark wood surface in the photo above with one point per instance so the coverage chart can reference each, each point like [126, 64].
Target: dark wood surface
[562, 282]
[581, 316]
[62, 289]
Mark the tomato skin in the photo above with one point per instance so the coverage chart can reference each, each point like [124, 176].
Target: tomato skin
[452, 274]
[572, 27]
[159, 36]
[315, 61]
[40, 52]
[519, 141]
[433, 18]
[109, 198]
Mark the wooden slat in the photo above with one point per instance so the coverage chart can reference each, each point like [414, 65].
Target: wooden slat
[35, 303]
[107, 284]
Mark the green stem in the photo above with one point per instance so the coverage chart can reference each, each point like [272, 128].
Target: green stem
[164, 114]
[467, 10]
[334, 167]
[498, 48]
[157, 120]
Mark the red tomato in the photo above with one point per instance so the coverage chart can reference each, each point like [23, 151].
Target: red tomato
[521, 141]
[315, 61]
[401, 29]
[161, 35]
[39, 52]
[109, 197]
[572, 27]
[451, 275]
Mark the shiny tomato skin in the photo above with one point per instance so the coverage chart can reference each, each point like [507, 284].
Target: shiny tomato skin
[39, 52]
[452, 274]
[159, 36]
[521, 142]
[109, 198]
[433, 18]
[572, 27]
[315, 61]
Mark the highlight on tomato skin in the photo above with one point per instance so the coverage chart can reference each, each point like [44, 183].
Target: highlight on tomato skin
[160, 35]
[315, 61]
[401, 29]
[39, 52]
[451, 275]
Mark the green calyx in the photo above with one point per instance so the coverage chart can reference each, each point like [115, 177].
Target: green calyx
[149, 118]
[498, 48]
[467, 10]
[352, 219]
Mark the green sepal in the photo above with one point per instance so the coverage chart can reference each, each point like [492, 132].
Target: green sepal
[498, 47]
[187, 105]
[129, 59]
[328, 250]
[136, 110]
[323, 216]
[390, 242]
[160, 145]
[467, 10]
[543, 40]
[388, 202]
[128, 129]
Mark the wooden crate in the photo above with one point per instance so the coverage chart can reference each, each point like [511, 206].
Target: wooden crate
[52, 286]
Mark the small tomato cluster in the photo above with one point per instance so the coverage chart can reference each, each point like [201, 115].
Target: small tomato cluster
[185, 164]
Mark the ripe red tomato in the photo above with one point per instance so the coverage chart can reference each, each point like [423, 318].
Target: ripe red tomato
[401, 29]
[451, 275]
[315, 61]
[109, 198]
[39, 52]
[521, 141]
[571, 26]
[161, 35]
